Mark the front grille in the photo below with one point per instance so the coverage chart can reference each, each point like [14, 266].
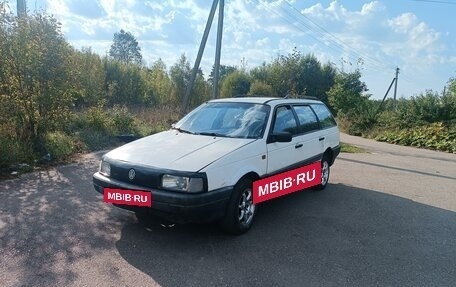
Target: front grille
[143, 176]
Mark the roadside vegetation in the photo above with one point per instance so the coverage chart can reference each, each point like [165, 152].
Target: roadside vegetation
[425, 121]
[57, 101]
[348, 148]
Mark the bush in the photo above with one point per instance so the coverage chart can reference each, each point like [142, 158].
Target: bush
[122, 121]
[359, 125]
[95, 140]
[95, 118]
[259, 88]
[59, 145]
[98, 127]
[435, 136]
[235, 84]
[13, 151]
[157, 119]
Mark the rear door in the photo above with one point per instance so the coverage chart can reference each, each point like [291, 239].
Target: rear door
[310, 136]
[329, 130]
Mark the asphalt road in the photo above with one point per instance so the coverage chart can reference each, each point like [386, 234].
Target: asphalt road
[387, 218]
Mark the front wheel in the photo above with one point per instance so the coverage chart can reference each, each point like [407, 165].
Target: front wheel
[241, 210]
[325, 167]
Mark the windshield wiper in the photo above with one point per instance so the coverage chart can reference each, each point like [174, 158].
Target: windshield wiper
[212, 134]
[183, 131]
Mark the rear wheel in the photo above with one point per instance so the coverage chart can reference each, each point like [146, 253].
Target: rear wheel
[241, 210]
[325, 167]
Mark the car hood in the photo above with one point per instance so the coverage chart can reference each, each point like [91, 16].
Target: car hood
[176, 151]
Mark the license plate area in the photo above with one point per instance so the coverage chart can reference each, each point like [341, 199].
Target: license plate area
[127, 196]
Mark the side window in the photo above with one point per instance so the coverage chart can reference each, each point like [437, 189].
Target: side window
[285, 121]
[324, 115]
[307, 119]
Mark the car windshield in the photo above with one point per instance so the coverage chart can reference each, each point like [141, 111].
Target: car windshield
[236, 120]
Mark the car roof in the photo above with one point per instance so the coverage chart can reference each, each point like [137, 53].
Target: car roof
[267, 100]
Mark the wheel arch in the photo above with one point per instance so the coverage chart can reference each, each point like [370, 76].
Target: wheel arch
[250, 175]
[329, 153]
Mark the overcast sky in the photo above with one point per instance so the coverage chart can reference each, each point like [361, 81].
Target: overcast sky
[417, 36]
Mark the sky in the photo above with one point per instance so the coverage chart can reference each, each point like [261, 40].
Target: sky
[417, 36]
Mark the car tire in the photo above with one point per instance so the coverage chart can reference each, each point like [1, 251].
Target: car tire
[240, 210]
[325, 169]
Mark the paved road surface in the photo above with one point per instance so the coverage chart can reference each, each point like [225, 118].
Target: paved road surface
[388, 218]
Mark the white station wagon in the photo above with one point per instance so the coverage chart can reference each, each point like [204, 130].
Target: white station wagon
[203, 168]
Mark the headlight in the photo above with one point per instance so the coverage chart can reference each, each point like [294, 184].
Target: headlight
[105, 168]
[182, 183]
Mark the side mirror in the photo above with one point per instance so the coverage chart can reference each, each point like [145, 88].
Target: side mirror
[281, 137]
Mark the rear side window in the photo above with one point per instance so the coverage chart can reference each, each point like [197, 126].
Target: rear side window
[324, 115]
[307, 120]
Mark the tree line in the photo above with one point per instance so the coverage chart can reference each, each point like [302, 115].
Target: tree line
[44, 82]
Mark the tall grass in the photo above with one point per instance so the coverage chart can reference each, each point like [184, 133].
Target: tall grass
[91, 129]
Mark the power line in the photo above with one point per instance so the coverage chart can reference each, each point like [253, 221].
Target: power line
[331, 41]
[371, 62]
[321, 30]
[436, 1]
[338, 47]
[293, 23]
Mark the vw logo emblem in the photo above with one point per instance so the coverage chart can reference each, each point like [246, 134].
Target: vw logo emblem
[131, 174]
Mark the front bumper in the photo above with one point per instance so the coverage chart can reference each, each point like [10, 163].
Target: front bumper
[174, 206]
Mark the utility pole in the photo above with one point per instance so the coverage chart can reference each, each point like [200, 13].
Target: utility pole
[201, 50]
[395, 86]
[383, 100]
[215, 90]
[21, 8]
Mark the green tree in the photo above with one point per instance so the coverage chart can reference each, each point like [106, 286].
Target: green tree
[427, 106]
[180, 74]
[36, 75]
[296, 74]
[160, 83]
[449, 101]
[235, 84]
[125, 48]
[347, 93]
[126, 84]
[326, 81]
[259, 88]
[224, 71]
[90, 78]
[349, 102]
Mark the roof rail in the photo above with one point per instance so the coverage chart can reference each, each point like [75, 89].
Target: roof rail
[288, 96]
[309, 98]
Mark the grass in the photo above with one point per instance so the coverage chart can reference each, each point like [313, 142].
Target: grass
[348, 148]
[158, 119]
[88, 130]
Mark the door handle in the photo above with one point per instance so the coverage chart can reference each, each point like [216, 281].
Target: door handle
[298, 145]
[322, 138]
